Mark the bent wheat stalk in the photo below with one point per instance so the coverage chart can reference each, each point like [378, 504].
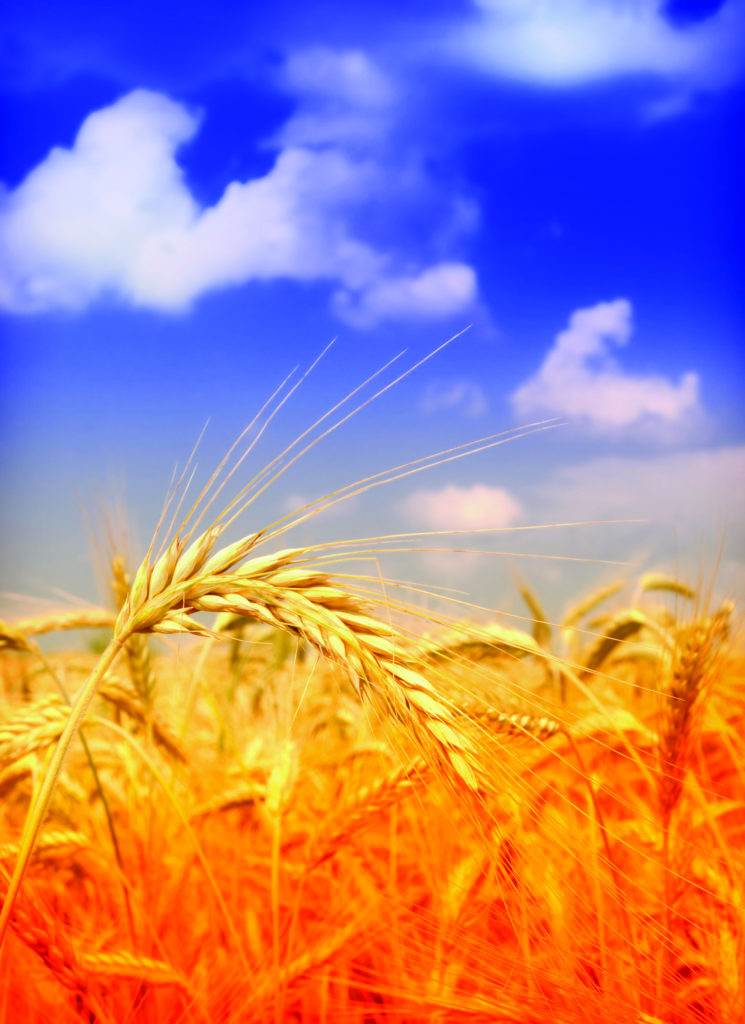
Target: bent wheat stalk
[283, 592]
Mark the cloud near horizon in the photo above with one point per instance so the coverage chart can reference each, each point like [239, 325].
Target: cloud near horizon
[113, 216]
[700, 490]
[454, 507]
[562, 43]
[579, 379]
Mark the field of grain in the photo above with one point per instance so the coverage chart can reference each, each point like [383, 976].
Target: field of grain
[262, 786]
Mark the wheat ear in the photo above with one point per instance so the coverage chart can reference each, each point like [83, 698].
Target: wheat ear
[276, 590]
[33, 728]
[512, 723]
[123, 964]
[52, 845]
[370, 801]
[693, 659]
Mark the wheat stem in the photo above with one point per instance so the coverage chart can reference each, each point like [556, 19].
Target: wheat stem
[39, 807]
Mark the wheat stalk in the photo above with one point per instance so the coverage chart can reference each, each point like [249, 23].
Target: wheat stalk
[541, 625]
[582, 608]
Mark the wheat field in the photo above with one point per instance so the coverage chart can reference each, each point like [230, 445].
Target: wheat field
[266, 785]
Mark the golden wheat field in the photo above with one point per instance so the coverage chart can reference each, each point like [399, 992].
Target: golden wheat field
[267, 785]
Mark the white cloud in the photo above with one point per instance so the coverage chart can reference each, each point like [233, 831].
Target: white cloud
[477, 507]
[438, 291]
[74, 226]
[113, 216]
[566, 42]
[580, 380]
[690, 503]
[701, 490]
[345, 98]
[464, 396]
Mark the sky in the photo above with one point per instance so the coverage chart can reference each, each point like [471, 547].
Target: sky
[196, 199]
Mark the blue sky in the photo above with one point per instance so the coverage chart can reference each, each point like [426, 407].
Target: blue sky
[195, 200]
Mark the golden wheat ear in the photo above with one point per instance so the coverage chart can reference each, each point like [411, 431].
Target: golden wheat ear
[692, 665]
[190, 574]
[282, 592]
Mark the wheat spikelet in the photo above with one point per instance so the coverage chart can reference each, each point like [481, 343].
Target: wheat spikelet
[512, 723]
[52, 948]
[15, 773]
[70, 966]
[243, 796]
[51, 845]
[35, 727]
[369, 802]
[53, 951]
[139, 657]
[461, 882]
[314, 956]
[132, 966]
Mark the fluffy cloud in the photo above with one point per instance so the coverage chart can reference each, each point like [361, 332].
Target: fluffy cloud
[565, 42]
[461, 508]
[113, 216]
[438, 291]
[580, 380]
[464, 396]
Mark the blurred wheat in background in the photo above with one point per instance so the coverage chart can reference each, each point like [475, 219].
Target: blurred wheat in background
[332, 802]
